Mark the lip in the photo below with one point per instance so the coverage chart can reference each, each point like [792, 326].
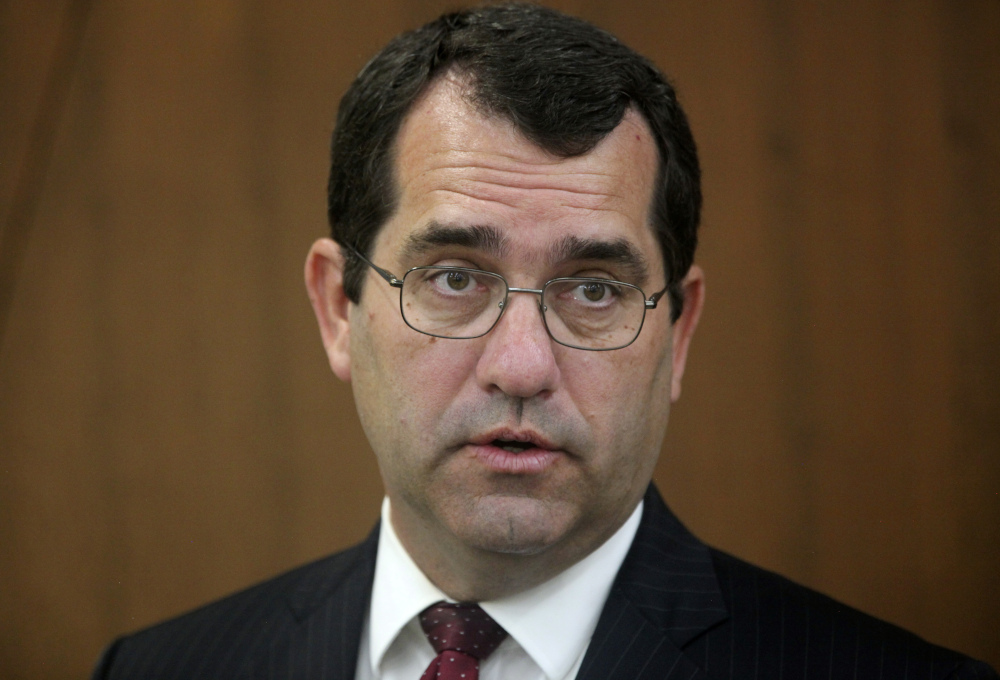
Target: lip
[540, 455]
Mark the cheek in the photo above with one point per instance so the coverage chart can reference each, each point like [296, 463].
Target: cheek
[625, 396]
[434, 369]
[412, 379]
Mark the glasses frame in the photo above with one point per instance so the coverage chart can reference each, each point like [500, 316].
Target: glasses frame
[395, 282]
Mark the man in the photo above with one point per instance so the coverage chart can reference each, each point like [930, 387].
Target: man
[510, 292]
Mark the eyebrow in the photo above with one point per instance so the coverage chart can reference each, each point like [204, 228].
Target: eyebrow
[619, 251]
[476, 237]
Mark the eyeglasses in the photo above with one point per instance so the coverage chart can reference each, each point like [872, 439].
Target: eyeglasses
[463, 303]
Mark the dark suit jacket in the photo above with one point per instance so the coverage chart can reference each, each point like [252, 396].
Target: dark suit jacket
[678, 609]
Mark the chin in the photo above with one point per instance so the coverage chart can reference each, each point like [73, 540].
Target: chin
[513, 525]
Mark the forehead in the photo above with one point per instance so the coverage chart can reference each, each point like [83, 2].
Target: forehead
[457, 166]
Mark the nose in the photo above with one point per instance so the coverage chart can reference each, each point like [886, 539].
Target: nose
[518, 358]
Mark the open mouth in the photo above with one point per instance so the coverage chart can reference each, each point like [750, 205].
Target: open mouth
[511, 446]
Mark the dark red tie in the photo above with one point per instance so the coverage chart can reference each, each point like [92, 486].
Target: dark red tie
[462, 635]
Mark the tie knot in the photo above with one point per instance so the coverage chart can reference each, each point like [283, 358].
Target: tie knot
[462, 628]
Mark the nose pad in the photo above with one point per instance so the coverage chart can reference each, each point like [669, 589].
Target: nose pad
[506, 305]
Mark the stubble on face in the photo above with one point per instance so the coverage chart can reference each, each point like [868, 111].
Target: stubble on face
[424, 401]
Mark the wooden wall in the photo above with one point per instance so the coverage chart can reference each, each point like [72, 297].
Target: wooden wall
[169, 429]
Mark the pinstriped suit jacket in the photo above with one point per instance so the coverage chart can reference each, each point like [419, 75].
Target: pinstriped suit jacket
[678, 610]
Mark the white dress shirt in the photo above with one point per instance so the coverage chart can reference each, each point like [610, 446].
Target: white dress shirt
[550, 625]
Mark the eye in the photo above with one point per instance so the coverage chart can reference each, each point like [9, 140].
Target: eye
[594, 291]
[457, 280]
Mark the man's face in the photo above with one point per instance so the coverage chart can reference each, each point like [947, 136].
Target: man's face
[588, 425]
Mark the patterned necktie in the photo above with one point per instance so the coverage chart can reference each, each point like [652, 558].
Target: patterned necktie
[462, 635]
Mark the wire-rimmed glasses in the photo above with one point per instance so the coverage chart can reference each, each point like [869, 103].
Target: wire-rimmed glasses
[464, 303]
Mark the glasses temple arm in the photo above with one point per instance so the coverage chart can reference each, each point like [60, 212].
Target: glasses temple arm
[654, 298]
[388, 276]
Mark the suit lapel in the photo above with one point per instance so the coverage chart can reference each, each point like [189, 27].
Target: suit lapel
[326, 614]
[626, 645]
[665, 595]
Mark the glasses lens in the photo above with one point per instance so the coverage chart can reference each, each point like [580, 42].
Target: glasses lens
[452, 302]
[593, 313]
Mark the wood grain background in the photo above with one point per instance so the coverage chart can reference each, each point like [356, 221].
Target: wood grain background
[169, 429]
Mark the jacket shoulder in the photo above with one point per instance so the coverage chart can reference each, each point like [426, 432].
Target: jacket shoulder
[218, 639]
[783, 629]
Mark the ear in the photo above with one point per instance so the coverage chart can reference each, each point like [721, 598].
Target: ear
[325, 283]
[684, 327]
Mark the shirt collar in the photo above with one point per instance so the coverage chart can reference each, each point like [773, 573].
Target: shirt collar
[400, 590]
[552, 622]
